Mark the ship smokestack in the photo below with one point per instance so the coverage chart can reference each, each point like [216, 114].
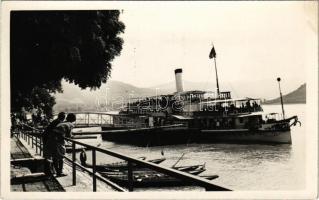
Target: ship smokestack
[179, 80]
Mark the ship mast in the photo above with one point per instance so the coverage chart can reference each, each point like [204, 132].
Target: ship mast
[212, 54]
[216, 77]
[282, 103]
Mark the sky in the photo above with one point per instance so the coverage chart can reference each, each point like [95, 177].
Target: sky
[253, 40]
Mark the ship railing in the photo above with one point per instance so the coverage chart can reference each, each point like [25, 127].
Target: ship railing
[228, 111]
[183, 176]
[92, 118]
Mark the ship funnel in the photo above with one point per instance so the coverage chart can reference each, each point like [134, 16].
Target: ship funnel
[179, 80]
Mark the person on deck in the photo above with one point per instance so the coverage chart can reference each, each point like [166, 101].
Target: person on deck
[60, 131]
[48, 140]
[248, 107]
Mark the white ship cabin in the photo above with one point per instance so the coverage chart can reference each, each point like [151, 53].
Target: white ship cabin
[155, 105]
[191, 101]
[244, 113]
[193, 96]
[231, 106]
[198, 95]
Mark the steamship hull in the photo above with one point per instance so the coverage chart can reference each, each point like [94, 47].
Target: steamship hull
[246, 136]
[170, 136]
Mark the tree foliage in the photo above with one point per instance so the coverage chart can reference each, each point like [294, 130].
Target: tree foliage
[48, 46]
[42, 100]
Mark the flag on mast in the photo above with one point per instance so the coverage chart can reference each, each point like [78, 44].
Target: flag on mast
[212, 53]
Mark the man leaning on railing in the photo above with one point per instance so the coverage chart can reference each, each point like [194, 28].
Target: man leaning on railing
[60, 131]
[49, 145]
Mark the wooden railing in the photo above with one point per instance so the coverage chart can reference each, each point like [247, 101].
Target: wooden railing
[183, 176]
[32, 136]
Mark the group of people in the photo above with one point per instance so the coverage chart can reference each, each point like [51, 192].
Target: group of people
[36, 118]
[54, 143]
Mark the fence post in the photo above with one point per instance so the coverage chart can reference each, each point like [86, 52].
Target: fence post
[94, 169]
[28, 139]
[130, 176]
[36, 144]
[40, 145]
[32, 140]
[73, 164]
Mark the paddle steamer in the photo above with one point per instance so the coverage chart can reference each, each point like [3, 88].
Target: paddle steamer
[200, 116]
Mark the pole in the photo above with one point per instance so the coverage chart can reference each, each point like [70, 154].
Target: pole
[94, 169]
[282, 103]
[130, 176]
[216, 77]
[73, 165]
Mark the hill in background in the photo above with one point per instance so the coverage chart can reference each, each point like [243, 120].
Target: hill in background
[115, 94]
[296, 96]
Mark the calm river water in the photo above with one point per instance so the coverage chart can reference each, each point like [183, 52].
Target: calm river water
[239, 166]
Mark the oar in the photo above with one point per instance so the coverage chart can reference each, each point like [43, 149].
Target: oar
[178, 160]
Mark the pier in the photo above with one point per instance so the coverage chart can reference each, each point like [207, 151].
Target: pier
[93, 119]
[80, 178]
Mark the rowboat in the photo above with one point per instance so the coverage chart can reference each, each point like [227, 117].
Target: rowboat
[189, 167]
[149, 178]
[116, 166]
[142, 171]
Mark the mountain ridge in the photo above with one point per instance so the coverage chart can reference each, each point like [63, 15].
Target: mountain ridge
[117, 92]
[295, 97]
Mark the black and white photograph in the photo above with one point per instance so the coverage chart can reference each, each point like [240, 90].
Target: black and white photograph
[159, 100]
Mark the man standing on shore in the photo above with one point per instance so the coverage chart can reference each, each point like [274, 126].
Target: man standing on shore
[62, 130]
[48, 141]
